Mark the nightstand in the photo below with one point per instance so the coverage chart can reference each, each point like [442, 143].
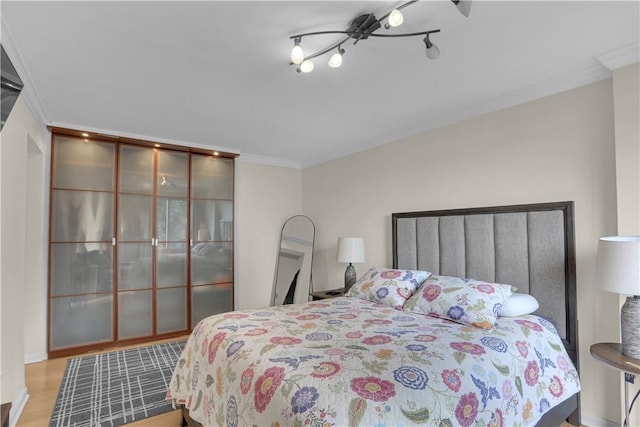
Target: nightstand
[327, 294]
[611, 354]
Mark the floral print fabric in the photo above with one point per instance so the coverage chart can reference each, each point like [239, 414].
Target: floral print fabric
[466, 301]
[388, 286]
[347, 361]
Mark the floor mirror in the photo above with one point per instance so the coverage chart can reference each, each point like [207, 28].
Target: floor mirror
[292, 282]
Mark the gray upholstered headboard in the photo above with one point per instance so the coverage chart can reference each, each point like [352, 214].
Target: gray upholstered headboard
[529, 246]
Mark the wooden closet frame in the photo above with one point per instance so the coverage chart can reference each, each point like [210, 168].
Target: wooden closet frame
[115, 342]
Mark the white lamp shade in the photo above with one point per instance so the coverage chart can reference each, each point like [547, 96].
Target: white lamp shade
[350, 249]
[618, 264]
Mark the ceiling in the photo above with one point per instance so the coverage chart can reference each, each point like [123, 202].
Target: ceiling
[217, 74]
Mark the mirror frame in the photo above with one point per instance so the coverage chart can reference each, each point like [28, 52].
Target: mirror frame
[305, 272]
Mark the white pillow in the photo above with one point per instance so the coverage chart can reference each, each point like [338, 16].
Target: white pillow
[519, 305]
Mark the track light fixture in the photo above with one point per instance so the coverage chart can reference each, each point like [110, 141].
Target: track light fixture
[361, 28]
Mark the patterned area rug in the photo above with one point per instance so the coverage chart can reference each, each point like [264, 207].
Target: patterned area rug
[112, 389]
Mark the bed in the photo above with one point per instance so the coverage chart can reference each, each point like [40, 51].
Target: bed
[388, 354]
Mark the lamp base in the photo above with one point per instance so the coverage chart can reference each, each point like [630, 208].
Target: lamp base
[630, 327]
[349, 277]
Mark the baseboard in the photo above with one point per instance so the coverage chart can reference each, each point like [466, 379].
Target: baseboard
[34, 358]
[17, 407]
[589, 420]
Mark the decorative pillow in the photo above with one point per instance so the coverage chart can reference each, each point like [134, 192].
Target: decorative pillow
[466, 301]
[388, 286]
[519, 305]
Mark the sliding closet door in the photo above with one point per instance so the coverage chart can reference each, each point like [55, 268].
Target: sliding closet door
[172, 241]
[82, 204]
[153, 242]
[135, 244]
[141, 240]
[212, 234]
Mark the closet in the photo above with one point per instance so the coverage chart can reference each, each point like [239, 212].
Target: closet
[141, 240]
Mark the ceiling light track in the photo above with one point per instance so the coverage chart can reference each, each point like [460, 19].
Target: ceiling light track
[361, 28]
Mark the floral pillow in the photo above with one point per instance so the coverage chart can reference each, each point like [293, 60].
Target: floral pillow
[388, 286]
[466, 301]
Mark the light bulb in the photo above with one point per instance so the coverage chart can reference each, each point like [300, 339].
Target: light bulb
[432, 50]
[306, 66]
[395, 18]
[297, 55]
[336, 59]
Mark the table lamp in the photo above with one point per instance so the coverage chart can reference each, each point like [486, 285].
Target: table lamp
[617, 270]
[350, 249]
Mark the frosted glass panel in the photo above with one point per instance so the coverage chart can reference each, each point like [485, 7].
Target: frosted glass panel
[171, 310]
[136, 170]
[101, 190]
[134, 265]
[82, 216]
[74, 270]
[172, 173]
[211, 263]
[135, 218]
[81, 320]
[83, 165]
[171, 264]
[171, 217]
[134, 314]
[209, 300]
[212, 220]
[212, 177]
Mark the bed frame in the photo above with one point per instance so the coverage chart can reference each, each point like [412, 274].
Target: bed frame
[529, 246]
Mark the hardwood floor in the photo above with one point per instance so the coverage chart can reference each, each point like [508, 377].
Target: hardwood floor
[43, 381]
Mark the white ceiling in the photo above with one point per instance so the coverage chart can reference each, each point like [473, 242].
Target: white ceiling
[217, 73]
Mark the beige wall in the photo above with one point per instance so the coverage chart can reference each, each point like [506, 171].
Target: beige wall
[265, 197]
[21, 296]
[553, 149]
[626, 89]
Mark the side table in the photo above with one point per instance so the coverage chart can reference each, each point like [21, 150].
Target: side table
[333, 293]
[611, 354]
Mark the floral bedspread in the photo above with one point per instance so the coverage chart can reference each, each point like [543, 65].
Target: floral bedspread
[348, 361]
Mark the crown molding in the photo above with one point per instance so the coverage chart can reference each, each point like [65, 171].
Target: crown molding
[243, 157]
[269, 161]
[621, 57]
[142, 137]
[550, 87]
